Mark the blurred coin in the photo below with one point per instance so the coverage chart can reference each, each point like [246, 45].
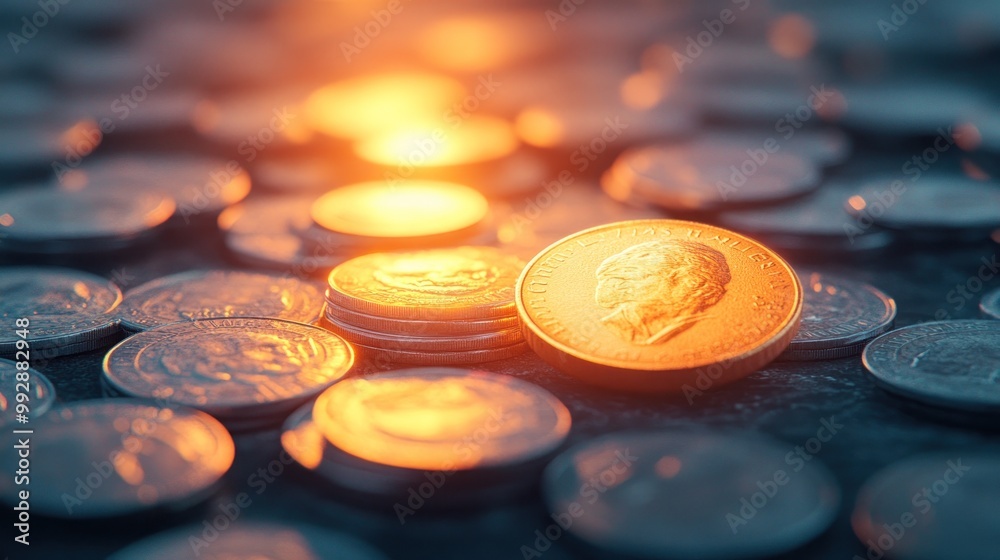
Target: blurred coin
[202, 294]
[406, 209]
[66, 309]
[931, 506]
[54, 221]
[248, 124]
[424, 418]
[386, 353]
[438, 284]
[693, 177]
[295, 175]
[235, 368]
[250, 541]
[932, 205]
[124, 456]
[39, 390]
[989, 306]
[947, 364]
[647, 305]
[823, 146]
[268, 232]
[839, 317]
[424, 326]
[420, 340]
[690, 495]
[918, 107]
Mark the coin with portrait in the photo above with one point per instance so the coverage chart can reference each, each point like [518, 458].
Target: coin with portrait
[658, 305]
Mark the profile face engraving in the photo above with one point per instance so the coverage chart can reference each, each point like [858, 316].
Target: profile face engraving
[658, 289]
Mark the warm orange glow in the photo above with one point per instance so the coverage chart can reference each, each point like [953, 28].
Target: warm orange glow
[6, 220]
[405, 209]
[967, 136]
[205, 116]
[540, 127]
[857, 202]
[643, 90]
[477, 139]
[361, 107]
[792, 36]
[85, 136]
[668, 467]
[470, 43]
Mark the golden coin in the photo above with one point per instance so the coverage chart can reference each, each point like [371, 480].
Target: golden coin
[437, 284]
[441, 419]
[658, 305]
[421, 341]
[379, 209]
[392, 355]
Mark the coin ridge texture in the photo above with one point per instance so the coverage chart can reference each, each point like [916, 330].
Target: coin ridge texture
[861, 312]
[652, 305]
[228, 365]
[423, 290]
[168, 299]
[369, 417]
[891, 358]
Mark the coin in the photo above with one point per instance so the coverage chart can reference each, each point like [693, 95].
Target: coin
[441, 419]
[250, 541]
[126, 456]
[295, 174]
[205, 294]
[53, 221]
[824, 146]
[389, 354]
[703, 177]
[425, 327]
[839, 317]
[948, 364]
[930, 506]
[689, 495]
[234, 368]
[989, 306]
[65, 308]
[39, 390]
[404, 209]
[420, 340]
[438, 284]
[914, 107]
[646, 305]
[932, 205]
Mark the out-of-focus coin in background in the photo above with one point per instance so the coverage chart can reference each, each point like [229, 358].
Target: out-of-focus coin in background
[205, 294]
[41, 394]
[989, 306]
[646, 306]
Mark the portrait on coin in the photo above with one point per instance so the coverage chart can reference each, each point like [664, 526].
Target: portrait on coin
[658, 289]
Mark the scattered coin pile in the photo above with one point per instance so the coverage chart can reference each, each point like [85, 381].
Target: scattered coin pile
[432, 307]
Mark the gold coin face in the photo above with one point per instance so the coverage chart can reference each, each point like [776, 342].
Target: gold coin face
[441, 284]
[652, 305]
[405, 209]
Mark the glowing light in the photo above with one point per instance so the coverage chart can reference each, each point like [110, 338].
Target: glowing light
[6, 220]
[470, 43]
[361, 107]
[967, 136]
[478, 139]
[792, 36]
[643, 90]
[857, 202]
[405, 209]
[540, 127]
[668, 467]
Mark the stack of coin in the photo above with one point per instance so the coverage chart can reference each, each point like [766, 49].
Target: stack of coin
[247, 372]
[434, 437]
[432, 307]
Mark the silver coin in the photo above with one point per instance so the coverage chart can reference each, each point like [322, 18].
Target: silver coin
[126, 456]
[690, 495]
[989, 306]
[933, 203]
[930, 507]
[39, 390]
[418, 326]
[250, 541]
[692, 177]
[950, 364]
[234, 368]
[423, 358]
[204, 294]
[267, 232]
[65, 308]
[917, 107]
[420, 341]
[33, 146]
[838, 314]
[55, 221]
